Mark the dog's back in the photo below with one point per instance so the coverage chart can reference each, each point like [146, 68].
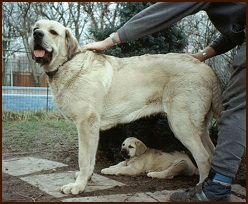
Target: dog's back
[146, 84]
[156, 160]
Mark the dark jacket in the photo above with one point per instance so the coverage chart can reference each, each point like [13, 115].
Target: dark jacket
[229, 18]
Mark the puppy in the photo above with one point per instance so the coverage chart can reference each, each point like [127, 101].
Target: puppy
[157, 164]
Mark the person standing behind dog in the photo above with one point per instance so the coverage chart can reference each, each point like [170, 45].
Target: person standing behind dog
[230, 20]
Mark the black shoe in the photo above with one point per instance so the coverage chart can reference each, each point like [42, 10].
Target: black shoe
[203, 192]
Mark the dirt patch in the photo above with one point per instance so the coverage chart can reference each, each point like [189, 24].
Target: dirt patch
[15, 189]
[15, 138]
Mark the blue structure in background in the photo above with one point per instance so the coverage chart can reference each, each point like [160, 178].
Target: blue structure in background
[26, 98]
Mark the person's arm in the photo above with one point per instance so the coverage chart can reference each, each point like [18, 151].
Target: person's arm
[104, 44]
[150, 20]
[207, 53]
[222, 44]
[157, 17]
[219, 46]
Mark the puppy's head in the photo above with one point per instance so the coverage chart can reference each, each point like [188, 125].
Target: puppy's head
[132, 147]
[50, 41]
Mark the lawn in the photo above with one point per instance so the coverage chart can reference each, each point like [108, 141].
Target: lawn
[29, 132]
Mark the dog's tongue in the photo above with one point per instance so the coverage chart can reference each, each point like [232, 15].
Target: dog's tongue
[39, 53]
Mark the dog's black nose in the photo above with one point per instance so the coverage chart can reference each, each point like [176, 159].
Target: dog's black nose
[38, 34]
[124, 153]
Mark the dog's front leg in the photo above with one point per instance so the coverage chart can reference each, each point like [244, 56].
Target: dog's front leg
[112, 168]
[88, 136]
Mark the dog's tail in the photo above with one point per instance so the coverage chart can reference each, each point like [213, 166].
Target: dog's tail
[216, 99]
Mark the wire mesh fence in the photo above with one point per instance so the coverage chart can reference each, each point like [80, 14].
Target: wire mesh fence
[26, 98]
[24, 85]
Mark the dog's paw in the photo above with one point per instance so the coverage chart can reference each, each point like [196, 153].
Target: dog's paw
[152, 174]
[106, 171]
[159, 175]
[72, 188]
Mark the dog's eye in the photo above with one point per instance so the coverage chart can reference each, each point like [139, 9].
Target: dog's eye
[130, 147]
[53, 32]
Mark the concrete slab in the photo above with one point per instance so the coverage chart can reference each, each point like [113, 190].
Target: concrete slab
[158, 196]
[237, 199]
[51, 183]
[136, 197]
[27, 165]
[163, 196]
[239, 189]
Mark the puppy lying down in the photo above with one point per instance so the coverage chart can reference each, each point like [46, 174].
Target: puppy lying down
[157, 164]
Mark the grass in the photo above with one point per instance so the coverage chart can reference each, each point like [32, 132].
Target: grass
[29, 131]
[31, 115]
[34, 130]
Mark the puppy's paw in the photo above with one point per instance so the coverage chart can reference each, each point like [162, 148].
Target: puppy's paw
[104, 171]
[107, 171]
[72, 188]
[152, 174]
[159, 175]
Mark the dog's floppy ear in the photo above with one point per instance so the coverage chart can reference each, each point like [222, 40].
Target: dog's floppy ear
[71, 43]
[140, 148]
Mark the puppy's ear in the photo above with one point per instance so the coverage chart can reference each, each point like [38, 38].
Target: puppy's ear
[71, 43]
[140, 148]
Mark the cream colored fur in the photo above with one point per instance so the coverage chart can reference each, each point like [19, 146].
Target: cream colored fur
[98, 92]
[155, 163]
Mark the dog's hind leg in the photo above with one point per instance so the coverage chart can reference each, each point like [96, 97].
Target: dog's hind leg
[188, 132]
[180, 166]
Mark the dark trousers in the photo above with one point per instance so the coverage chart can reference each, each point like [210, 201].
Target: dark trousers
[231, 143]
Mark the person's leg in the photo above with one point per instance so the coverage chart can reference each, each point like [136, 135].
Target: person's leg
[232, 126]
[231, 142]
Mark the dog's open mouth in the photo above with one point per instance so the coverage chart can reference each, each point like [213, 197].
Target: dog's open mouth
[41, 55]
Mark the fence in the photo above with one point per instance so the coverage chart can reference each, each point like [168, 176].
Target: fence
[26, 98]
[17, 70]
[23, 87]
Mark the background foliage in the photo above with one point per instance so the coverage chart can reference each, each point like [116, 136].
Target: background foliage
[167, 40]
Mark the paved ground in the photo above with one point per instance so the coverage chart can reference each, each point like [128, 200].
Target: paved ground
[31, 170]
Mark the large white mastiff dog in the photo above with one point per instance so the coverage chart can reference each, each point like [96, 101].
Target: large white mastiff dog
[99, 91]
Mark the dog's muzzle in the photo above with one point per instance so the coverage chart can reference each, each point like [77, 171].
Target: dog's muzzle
[39, 53]
[125, 154]
[38, 35]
